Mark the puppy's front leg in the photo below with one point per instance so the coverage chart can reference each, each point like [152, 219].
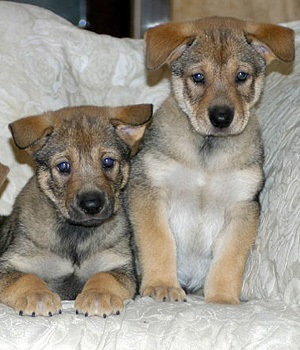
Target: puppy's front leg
[224, 280]
[157, 253]
[104, 294]
[28, 295]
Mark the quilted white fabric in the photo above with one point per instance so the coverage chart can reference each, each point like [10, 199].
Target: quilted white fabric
[46, 63]
[274, 271]
[148, 325]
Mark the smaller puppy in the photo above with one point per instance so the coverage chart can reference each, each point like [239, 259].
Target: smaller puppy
[193, 191]
[67, 236]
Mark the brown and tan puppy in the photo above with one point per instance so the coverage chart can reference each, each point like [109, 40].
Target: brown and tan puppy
[68, 236]
[193, 192]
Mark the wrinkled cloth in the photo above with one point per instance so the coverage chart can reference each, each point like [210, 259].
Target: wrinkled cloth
[148, 325]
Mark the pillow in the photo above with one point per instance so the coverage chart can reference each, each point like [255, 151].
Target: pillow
[274, 268]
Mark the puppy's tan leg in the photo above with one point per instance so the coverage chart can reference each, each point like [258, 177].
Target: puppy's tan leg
[28, 295]
[104, 294]
[157, 254]
[224, 280]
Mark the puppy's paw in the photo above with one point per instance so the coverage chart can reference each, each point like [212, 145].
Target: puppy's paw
[222, 299]
[38, 304]
[164, 293]
[93, 303]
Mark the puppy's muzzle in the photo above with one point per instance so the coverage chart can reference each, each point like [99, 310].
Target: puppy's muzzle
[91, 203]
[221, 116]
[92, 207]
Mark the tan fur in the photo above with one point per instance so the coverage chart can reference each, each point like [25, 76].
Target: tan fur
[29, 295]
[223, 284]
[104, 293]
[194, 185]
[159, 278]
[166, 42]
[68, 235]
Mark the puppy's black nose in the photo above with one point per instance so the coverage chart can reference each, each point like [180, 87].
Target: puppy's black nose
[92, 202]
[221, 116]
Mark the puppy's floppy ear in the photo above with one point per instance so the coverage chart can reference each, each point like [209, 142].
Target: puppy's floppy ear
[30, 133]
[166, 42]
[272, 41]
[131, 122]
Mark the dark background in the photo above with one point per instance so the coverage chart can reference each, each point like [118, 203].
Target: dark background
[111, 17]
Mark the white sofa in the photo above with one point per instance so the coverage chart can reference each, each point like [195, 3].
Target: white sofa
[45, 64]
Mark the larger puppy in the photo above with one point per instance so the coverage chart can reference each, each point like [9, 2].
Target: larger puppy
[193, 196]
[68, 236]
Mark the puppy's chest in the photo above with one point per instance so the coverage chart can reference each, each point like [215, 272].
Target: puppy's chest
[62, 274]
[196, 205]
[197, 200]
[50, 265]
[196, 216]
[196, 191]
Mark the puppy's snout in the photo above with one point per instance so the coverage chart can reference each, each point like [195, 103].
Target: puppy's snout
[92, 202]
[220, 116]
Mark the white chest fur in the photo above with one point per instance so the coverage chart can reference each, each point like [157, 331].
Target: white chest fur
[197, 203]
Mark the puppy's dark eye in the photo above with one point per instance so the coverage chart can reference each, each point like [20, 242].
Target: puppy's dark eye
[108, 163]
[241, 77]
[64, 167]
[198, 78]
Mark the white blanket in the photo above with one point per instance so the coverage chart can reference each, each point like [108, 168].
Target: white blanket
[148, 325]
[46, 64]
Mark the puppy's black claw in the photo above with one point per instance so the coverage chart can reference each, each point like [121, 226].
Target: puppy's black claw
[86, 314]
[21, 312]
[184, 300]
[164, 299]
[59, 311]
[104, 315]
[50, 314]
[118, 313]
[33, 314]
[77, 312]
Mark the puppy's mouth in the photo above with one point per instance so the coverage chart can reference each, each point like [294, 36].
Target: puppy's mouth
[91, 209]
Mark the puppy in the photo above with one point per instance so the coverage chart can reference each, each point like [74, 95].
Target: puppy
[193, 193]
[67, 236]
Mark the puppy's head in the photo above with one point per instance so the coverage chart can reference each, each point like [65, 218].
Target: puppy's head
[217, 67]
[82, 156]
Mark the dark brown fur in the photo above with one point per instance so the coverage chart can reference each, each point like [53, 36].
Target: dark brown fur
[194, 186]
[68, 236]
[3, 173]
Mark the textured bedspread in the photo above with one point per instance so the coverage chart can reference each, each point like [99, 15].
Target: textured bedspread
[147, 325]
